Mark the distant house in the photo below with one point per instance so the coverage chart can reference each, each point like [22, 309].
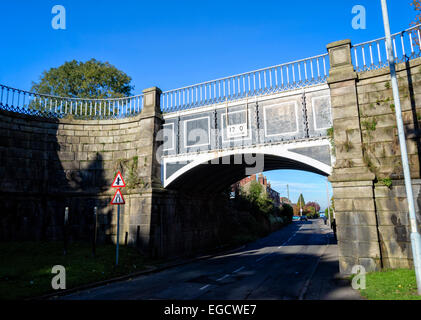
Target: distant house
[285, 200]
[244, 185]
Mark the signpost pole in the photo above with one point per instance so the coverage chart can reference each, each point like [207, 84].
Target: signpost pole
[117, 200]
[118, 234]
[95, 231]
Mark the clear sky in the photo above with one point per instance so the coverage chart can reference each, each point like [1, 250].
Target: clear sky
[170, 44]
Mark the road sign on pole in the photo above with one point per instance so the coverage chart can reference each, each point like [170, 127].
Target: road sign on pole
[118, 181]
[118, 200]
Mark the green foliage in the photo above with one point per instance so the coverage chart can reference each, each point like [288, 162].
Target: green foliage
[92, 79]
[287, 211]
[25, 270]
[258, 203]
[392, 107]
[387, 85]
[348, 145]
[300, 202]
[330, 134]
[255, 191]
[386, 181]
[370, 125]
[399, 284]
[129, 168]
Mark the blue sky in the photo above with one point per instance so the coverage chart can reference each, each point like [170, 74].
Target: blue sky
[170, 44]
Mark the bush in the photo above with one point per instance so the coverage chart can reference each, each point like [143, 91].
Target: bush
[313, 215]
[287, 212]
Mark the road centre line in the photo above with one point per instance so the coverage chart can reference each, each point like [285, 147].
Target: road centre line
[239, 269]
[222, 278]
[290, 238]
[265, 256]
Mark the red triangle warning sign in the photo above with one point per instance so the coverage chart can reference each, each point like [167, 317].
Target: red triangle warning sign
[118, 181]
[118, 198]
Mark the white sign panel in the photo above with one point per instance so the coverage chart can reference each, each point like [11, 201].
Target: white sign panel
[237, 130]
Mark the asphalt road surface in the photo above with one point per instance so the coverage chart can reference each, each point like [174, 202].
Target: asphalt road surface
[297, 262]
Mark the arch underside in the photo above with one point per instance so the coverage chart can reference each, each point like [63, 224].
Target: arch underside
[215, 171]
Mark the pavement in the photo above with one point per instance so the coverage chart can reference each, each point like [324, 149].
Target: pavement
[298, 262]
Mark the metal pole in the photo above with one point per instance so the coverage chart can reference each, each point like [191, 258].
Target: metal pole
[66, 222]
[415, 236]
[328, 202]
[118, 234]
[95, 231]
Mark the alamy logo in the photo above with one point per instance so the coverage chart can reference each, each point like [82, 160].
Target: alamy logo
[59, 20]
[359, 21]
[358, 281]
[59, 280]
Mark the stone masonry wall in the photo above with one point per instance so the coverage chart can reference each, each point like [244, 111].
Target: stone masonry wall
[46, 165]
[370, 199]
[382, 154]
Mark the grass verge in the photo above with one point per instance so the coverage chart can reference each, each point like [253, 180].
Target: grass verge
[399, 284]
[25, 269]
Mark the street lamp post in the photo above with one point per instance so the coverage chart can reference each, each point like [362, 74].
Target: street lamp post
[415, 236]
[328, 202]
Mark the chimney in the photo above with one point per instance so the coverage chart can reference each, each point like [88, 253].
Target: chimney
[261, 179]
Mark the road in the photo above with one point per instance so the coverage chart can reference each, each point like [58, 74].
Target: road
[296, 262]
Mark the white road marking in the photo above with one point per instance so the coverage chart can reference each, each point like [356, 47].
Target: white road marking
[265, 256]
[222, 278]
[260, 259]
[290, 238]
[239, 269]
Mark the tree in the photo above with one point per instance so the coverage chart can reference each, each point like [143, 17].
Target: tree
[417, 7]
[301, 203]
[88, 80]
[315, 205]
[331, 208]
[255, 191]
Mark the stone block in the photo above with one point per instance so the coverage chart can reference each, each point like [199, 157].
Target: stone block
[355, 218]
[359, 249]
[360, 233]
[364, 192]
[396, 249]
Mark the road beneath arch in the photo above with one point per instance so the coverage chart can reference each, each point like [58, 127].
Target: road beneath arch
[297, 262]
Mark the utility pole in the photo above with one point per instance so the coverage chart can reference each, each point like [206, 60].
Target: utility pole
[415, 236]
[288, 192]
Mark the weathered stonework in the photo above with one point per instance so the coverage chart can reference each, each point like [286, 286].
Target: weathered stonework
[47, 165]
[371, 217]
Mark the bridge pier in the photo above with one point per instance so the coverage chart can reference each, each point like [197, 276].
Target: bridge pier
[370, 203]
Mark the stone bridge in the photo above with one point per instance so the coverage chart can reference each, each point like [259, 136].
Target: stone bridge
[331, 114]
[231, 140]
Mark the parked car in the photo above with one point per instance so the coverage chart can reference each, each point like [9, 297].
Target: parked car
[303, 218]
[295, 218]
